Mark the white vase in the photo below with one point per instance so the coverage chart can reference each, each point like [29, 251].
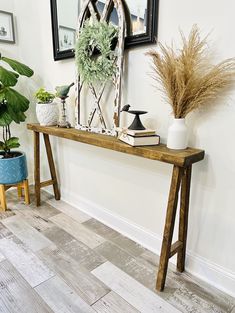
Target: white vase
[177, 135]
[47, 113]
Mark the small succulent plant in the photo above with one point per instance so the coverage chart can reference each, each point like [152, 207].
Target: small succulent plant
[44, 96]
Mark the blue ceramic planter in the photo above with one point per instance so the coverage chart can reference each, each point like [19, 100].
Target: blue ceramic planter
[14, 170]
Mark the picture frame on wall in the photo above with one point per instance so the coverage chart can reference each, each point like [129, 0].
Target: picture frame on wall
[141, 20]
[67, 38]
[7, 33]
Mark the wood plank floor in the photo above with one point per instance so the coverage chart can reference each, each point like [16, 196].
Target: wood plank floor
[58, 259]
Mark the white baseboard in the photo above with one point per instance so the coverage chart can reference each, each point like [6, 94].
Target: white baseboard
[196, 265]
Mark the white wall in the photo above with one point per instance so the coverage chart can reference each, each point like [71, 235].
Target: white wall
[8, 6]
[130, 193]
[24, 51]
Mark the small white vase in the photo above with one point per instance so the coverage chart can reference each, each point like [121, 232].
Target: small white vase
[47, 113]
[177, 135]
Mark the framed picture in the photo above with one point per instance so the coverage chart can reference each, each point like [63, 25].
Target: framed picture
[64, 16]
[7, 27]
[67, 38]
[141, 18]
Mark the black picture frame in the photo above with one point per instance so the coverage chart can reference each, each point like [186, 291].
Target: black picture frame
[131, 41]
[11, 28]
[58, 54]
[150, 37]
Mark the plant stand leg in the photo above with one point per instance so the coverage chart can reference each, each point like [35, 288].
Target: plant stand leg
[169, 228]
[3, 198]
[26, 191]
[37, 167]
[183, 223]
[19, 191]
[51, 166]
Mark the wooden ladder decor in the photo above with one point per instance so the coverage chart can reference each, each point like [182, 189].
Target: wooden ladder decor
[90, 9]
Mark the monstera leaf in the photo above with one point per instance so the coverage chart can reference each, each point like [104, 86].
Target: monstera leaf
[20, 68]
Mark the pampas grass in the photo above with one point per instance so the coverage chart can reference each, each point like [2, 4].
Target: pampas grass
[186, 76]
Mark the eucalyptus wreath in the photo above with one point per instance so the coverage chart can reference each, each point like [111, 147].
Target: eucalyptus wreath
[95, 57]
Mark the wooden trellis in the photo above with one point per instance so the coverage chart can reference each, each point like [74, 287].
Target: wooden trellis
[90, 10]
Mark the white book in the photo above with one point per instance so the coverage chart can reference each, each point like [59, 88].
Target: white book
[140, 141]
[141, 133]
[137, 133]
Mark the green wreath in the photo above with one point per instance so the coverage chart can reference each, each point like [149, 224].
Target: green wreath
[95, 57]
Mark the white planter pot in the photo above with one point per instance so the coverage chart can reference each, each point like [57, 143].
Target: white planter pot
[177, 135]
[47, 113]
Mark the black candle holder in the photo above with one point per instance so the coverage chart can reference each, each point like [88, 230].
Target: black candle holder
[137, 124]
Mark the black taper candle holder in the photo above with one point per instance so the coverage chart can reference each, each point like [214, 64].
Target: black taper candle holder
[137, 124]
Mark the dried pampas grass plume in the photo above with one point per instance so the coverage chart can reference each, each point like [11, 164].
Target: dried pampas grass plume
[186, 76]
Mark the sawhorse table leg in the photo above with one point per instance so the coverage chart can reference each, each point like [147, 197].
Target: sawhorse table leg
[181, 177]
[53, 181]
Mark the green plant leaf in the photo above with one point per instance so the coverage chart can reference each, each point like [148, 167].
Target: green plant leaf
[7, 78]
[20, 68]
[17, 101]
[2, 145]
[15, 74]
[44, 96]
[13, 146]
[13, 142]
[5, 117]
[17, 116]
[2, 96]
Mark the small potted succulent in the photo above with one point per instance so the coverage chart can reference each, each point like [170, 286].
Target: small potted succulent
[13, 105]
[47, 109]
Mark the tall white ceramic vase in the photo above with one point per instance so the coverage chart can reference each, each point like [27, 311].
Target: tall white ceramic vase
[177, 135]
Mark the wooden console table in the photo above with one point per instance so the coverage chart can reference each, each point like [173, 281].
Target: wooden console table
[181, 160]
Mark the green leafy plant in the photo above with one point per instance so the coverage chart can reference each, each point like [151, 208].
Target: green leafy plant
[9, 144]
[13, 104]
[44, 96]
[95, 57]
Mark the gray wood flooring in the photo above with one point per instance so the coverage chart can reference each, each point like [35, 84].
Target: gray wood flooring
[58, 259]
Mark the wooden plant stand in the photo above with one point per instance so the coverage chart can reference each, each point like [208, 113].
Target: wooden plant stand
[24, 185]
[181, 160]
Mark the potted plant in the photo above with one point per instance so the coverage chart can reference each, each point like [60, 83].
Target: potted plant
[189, 80]
[13, 105]
[47, 109]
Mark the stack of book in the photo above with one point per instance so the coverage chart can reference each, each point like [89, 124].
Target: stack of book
[135, 138]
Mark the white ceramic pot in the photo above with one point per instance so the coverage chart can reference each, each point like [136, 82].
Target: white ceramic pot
[47, 113]
[177, 135]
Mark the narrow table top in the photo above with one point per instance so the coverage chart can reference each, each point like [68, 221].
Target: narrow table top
[161, 153]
